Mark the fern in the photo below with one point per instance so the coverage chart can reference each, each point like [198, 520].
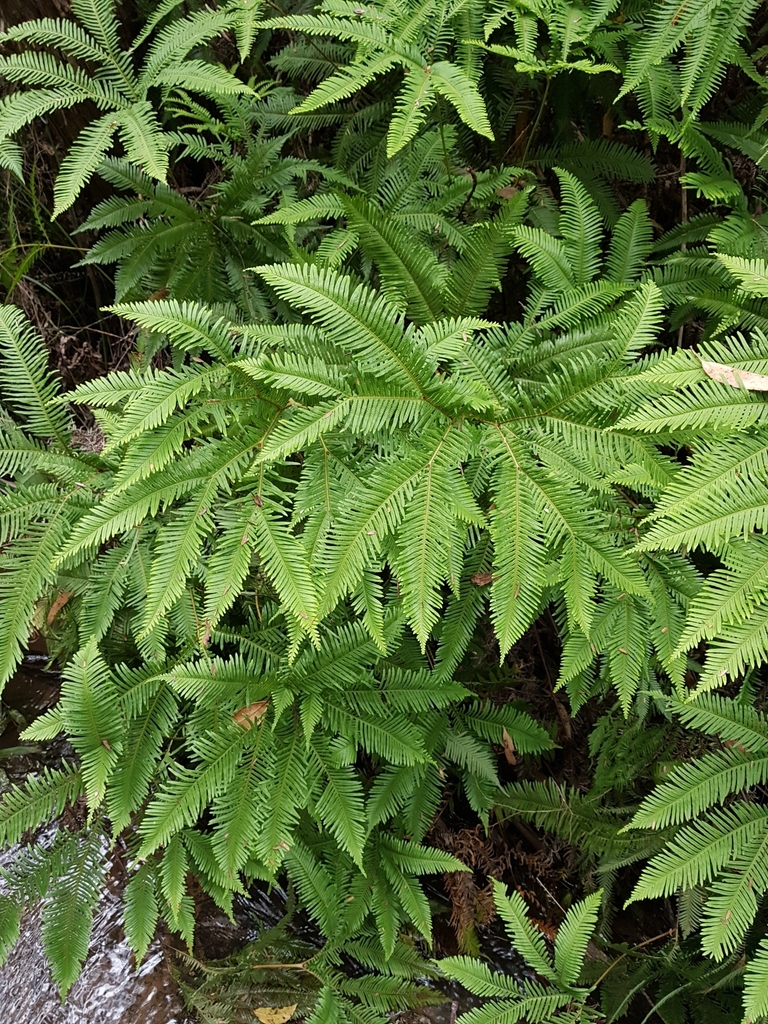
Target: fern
[369, 454]
[381, 46]
[530, 1000]
[120, 88]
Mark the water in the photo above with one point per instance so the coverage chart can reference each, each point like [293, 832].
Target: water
[110, 989]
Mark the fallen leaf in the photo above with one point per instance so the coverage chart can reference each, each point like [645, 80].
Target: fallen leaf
[252, 713]
[57, 605]
[482, 579]
[274, 1014]
[509, 747]
[724, 374]
[507, 192]
[545, 927]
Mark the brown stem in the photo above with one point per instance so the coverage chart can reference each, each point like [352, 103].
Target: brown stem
[646, 942]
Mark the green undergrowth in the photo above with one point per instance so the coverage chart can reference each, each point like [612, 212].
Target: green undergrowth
[448, 333]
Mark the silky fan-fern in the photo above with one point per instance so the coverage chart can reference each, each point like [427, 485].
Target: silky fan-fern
[416, 440]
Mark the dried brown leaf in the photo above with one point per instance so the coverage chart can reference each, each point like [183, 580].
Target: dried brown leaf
[509, 747]
[57, 605]
[724, 374]
[252, 713]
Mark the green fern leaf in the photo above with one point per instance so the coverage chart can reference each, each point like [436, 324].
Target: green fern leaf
[756, 985]
[40, 798]
[573, 936]
[411, 107]
[26, 382]
[695, 787]
[68, 912]
[519, 557]
[525, 938]
[140, 915]
[450, 81]
[91, 716]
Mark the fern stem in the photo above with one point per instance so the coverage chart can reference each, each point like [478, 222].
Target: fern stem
[536, 123]
[646, 942]
[684, 216]
[279, 967]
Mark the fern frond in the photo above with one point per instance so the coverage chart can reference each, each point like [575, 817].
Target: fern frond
[631, 242]
[356, 319]
[143, 138]
[406, 265]
[25, 575]
[732, 904]
[40, 798]
[64, 35]
[694, 787]
[69, 908]
[341, 805]
[718, 716]
[478, 978]
[519, 555]
[701, 850]
[581, 228]
[412, 105]
[98, 17]
[142, 744]
[286, 563]
[526, 939]
[91, 715]
[756, 985]
[451, 81]
[140, 914]
[728, 595]
[26, 383]
[82, 161]
[572, 938]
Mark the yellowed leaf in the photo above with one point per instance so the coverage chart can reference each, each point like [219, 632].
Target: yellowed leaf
[252, 713]
[724, 374]
[275, 1014]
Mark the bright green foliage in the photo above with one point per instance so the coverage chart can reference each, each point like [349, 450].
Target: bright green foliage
[407, 35]
[68, 877]
[556, 997]
[421, 443]
[540, 452]
[201, 250]
[718, 501]
[722, 844]
[63, 72]
[272, 727]
[405, 380]
[401, 466]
